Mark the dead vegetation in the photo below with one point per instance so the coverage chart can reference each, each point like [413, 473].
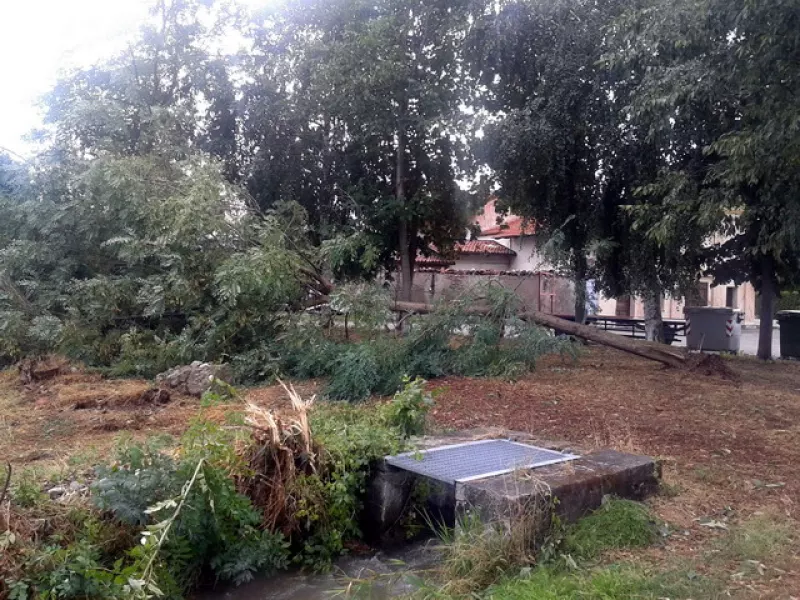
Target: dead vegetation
[282, 449]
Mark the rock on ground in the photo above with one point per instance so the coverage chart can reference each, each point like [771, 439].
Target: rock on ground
[194, 379]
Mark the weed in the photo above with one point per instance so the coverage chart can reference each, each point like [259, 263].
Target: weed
[28, 490]
[220, 392]
[477, 555]
[617, 524]
[669, 490]
[409, 408]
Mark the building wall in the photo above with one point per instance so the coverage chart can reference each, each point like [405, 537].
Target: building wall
[528, 257]
[488, 217]
[538, 291]
[672, 308]
[489, 262]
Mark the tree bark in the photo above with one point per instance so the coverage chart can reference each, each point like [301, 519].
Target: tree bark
[653, 321]
[580, 288]
[649, 350]
[406, 264]
[769, 293]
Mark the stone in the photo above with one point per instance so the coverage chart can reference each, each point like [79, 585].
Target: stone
[154, 396]
[77, 487]
[194, 379]
[57, 491]
[579, 486]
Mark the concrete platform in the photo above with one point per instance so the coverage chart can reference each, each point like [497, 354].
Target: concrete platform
[569, 490]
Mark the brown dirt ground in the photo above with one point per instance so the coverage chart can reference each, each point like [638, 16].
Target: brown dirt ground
[730, 447]
[78, 416]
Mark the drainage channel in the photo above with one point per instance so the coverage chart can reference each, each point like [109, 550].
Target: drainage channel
[384, 572]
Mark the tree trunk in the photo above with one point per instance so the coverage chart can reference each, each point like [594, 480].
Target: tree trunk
[406, 264]
[657, 352]
[580, 288]
[653, 323]
[768, 294]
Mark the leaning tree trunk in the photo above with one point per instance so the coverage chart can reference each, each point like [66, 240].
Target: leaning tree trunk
[769, 293]
[657, 352]
[653, 321]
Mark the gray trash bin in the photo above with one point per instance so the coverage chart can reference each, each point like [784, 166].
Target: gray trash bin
[713, 329]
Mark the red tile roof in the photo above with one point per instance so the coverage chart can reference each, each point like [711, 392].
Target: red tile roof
[499, 224]
[472, 247]
[433, 261]
[483, 247]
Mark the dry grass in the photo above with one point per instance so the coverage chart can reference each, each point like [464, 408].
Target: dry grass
[282, 450]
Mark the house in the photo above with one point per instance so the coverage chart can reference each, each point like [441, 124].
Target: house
[513, 233]
[473, 255]
[505, 251]
[738, 297]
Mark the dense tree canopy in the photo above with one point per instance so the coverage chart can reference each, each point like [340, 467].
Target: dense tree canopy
[721, 86]
[188, 203]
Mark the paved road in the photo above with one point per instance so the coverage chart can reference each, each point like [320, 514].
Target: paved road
[749, 342]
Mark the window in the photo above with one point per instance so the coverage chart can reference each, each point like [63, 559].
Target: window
[699, 295]
[623, 306]
[732, 296]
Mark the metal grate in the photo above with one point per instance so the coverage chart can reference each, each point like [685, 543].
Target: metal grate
[476, 460]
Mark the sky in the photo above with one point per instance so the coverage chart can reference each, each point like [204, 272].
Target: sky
[40, 38]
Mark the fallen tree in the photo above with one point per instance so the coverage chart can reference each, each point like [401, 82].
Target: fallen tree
[650, 350]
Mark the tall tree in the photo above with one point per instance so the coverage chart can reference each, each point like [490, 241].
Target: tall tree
[539, 63]
[731, 69]
[373, 101]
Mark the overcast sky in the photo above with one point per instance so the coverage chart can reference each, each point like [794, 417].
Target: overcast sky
[38, 38]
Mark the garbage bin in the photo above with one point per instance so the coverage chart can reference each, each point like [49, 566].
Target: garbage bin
[715, 329]
[789, 321]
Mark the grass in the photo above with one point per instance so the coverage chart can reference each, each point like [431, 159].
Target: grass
[761, 539]
[618, 524]
[610, 583]
[478, 556]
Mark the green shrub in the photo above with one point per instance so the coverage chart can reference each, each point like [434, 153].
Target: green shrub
[141, 477]
[617, 524]
[28, 491]
[352, 440]
[356, 373]
[216, 528]
[75, 571]
[409, 408]
[145, 353]
[507, 348]
[789, 300]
